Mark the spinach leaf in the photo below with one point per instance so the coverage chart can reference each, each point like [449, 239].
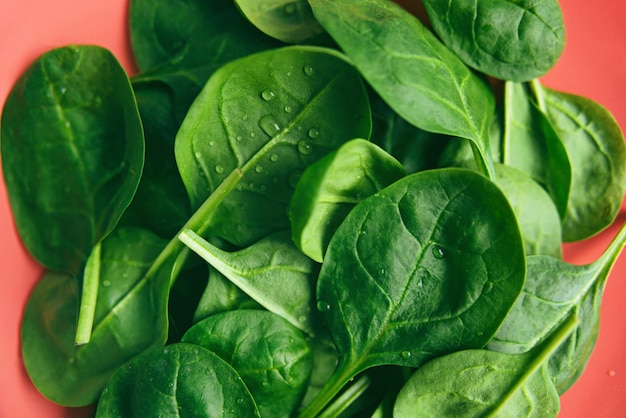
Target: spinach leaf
[272, 357]
[485, 383]
[290, 21]
[72, 153]
[554, 289]
[178, 380]
[130, 316]
[508, 39]
[422, 268]
[272, 271]
[412, 70]
[270, 114]
[596, 149]
[329, 188]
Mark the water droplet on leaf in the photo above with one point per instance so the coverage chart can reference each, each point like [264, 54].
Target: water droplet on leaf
[106, 283]
[219, 169]
[269, 125]
[268, 95]
[305, 147]
[274, 158]
[308, 70]
[323, 306]
[406, 355]
[314, 133]
[438, 252]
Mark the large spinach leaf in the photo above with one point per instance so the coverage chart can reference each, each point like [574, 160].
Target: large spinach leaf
[422, 268]
[72, 153]
[412, 70]
[596, 149]
[179, 380]
[553, 290]
[330, 187]
[270, 114]
[272, 357]
[130, 316]
[477, 383]
[508, 39]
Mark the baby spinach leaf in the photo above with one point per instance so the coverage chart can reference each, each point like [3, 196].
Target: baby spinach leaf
[554, 289]
[178, 380]
[272, 271]
[290, 21]
[130, 316]
[596, 149]
[221, 295]
[482, 383]
[422, 268]
[508, 39]
[272, 357]
[412, 70]
[329, 188]
[72, 153]
[270, 114]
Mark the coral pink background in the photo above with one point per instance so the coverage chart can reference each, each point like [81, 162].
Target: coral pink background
[592, 65]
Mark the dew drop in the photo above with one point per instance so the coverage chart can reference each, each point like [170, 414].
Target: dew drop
[611, 373]
[289, 73]
[239, 138]
[198, 155]
[244, 117]
[323, 306]
[289, 9]
[62, 90]
[438, 252]
[268, 95]
[406, 355]
[258, 169]
[68, 125]
[219, 169]
[269, 125]
[263, 187]
[106, 283]
[211, 143]
[308, 70]
[240, 401]
[288, 109]
[488, 287]
[305, 147]
[314, 133]
[252, 134]
[274, 158]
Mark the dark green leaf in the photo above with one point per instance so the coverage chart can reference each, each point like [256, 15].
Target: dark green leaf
[508, 39]
[272, 357]
[176, 381]
[411, 69]
[270, 114]
[72, 153]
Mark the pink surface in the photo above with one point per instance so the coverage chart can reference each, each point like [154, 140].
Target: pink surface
[592, 66]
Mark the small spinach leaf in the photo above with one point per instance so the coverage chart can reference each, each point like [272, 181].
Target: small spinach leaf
[272, 357]
[178, 380]
[423, 267]
[72, 153]
[596, 149]
[272, 271]
[412, 70]
[130, 316]
[329, 188]
[508, 39]
[553, 290]
[485, 383]
[290, 21]
[271, 114]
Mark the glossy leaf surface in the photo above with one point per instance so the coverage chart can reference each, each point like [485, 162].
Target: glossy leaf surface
[72, 153]
[270, 114]
[272, 357]
[127, 301]
[178, 380]
[332, 186]
[419, 269]
[508, 39]
[411, 69]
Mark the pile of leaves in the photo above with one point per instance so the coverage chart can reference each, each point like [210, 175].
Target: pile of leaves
[312, 209]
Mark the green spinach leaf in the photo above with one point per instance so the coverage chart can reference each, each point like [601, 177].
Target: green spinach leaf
[423, 267]
[270, 114]
[554, 289]
[130, 317]
[72, 153]
[412, 70]
[178, 380]
[332, 186]
[272, 357]
[482, 383]
[508, 39]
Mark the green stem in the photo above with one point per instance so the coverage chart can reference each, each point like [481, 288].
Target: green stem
[87, 309]
[540, 356]
[537, 90]
[484, 161]
[347, 398]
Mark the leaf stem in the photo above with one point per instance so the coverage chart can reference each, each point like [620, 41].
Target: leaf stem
[87, 309]
[483, 159]
[345, 399]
